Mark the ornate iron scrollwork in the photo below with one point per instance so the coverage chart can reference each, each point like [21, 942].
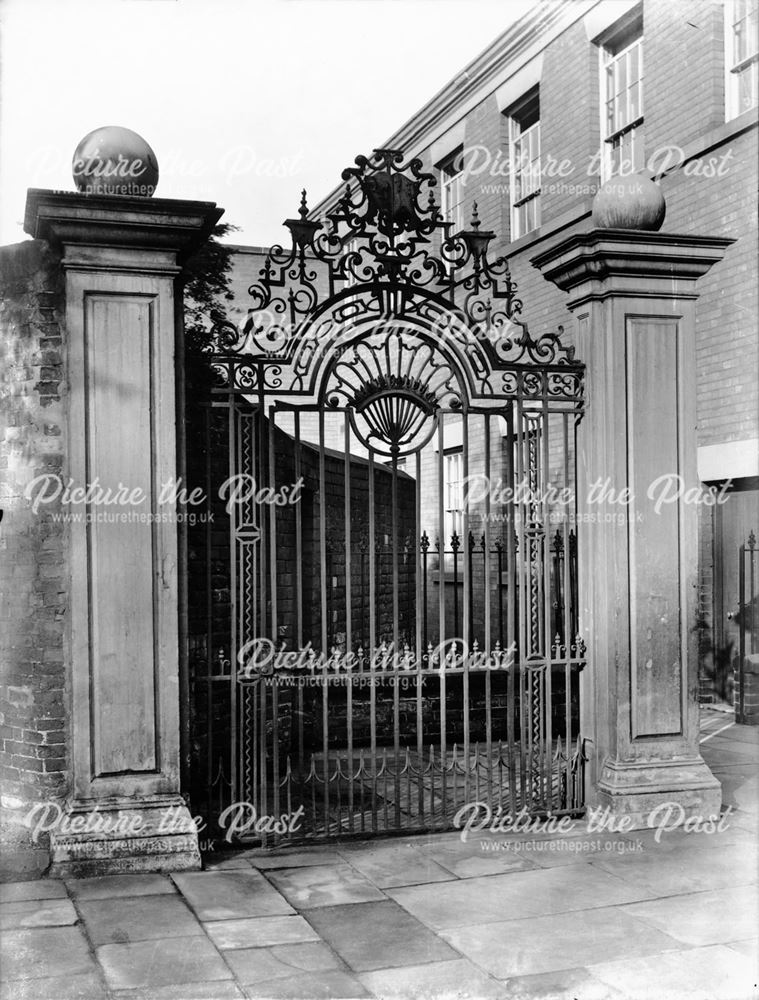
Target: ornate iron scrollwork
[372, 259]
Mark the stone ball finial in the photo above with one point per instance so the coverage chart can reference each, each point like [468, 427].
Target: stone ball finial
[115, 160]
[631, 201]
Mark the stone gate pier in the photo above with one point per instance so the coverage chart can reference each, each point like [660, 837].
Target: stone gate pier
[120, 257]
[632, 294]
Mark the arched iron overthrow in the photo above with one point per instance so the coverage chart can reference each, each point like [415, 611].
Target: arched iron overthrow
[371, 262]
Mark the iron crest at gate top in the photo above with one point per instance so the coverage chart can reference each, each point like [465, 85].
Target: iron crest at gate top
[385, 257]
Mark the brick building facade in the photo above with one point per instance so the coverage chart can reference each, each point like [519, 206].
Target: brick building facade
[694, 129]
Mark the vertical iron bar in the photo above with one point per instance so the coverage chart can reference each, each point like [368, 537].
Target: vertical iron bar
[299, 585]
[441, 603]
[233, 595]
[274, 614]
[568, 613]
[455, 546]
[499, 585]
[420, 562]
[324, 621]
[207, 414]
[396, 642]
[372, 642]
[467, 600]
[487, 645]
[511, 612]
[348, 617]
[752, 591]
[546, 707]
[261, 476]
[741, 624]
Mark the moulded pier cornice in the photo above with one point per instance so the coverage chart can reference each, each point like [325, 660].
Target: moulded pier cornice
[595, 258]
[68, 218]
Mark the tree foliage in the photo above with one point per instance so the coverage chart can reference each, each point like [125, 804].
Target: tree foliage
[206, 288]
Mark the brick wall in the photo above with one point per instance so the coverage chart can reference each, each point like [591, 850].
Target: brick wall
[684, 107]
[683, 70]
[569, 117]
[33, 561]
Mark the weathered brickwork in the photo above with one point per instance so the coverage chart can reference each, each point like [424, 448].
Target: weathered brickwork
[684, 76]
[708, 179]
[569, 117]
[33, 564]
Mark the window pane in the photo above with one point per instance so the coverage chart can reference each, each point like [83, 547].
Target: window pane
[622, 82]
[738, 44]
[634, 102]
[634, 64]
[747, 81]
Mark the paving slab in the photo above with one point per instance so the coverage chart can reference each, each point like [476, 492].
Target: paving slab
[226, 895]
[748, 947]
[703, 918]
[524, 947]
[324, 885]
[259, 932]
[746, 734]
[89, 986]
[311, 957]
[378, 935]
[494, 898]
[264, 860]
[45, 952]
[457, 979]
[726, 742]
[715, 972]
[108, 886]
[468, 859]
[43, 888]
[219, 990]
[553, 852]
[257, 965]
[138, 918]
[569, 984]
[719, 755]
[675, 840]
[215, 863]
[37, 913]
[395, 864]
[331, 985]
[687, 870]
[164, 962]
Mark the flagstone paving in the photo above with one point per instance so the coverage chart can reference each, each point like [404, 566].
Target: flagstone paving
[37, 913]
[580, 916]
[138, 918]
[228, 894]
[260, 932]
[548, 944]
[397, 939]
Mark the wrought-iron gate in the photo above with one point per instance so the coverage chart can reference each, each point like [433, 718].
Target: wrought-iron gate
[383, 611]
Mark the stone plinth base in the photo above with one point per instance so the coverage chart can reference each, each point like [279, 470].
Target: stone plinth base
[125, 837]
[635, 789]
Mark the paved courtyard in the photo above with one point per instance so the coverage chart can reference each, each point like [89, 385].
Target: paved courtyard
[589, 915]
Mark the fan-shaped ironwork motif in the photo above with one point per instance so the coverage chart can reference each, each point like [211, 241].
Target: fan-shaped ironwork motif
[395, 385]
